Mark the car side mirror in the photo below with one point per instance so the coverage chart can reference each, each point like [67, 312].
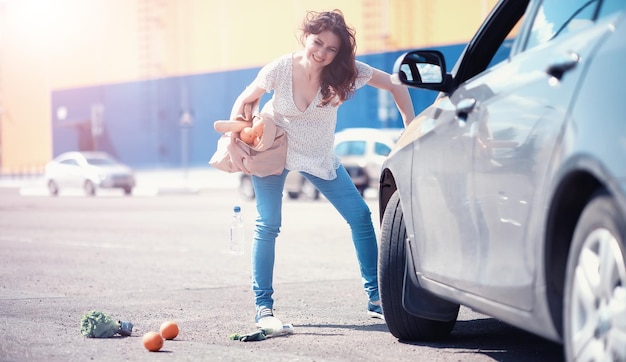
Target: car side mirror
[422, 69]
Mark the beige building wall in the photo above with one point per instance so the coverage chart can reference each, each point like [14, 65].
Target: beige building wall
[48, 45]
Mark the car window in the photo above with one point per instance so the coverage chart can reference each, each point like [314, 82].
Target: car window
[100, 161]
[504, 51]
[610, 7]
[69, 162]
[350, 148]
[555, 18]
[491, 45]
[381, 149]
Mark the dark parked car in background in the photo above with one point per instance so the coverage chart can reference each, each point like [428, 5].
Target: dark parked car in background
[508, 193]
[89, 171]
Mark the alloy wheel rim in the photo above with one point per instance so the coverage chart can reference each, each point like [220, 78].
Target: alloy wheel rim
[598, 313]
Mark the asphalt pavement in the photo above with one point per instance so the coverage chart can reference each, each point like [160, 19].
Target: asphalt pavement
[152, 259]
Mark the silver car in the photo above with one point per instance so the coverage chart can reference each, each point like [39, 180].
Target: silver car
[508, 193]
[89, 171]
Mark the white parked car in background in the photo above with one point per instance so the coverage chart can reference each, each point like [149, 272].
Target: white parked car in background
[362, 152]
[89, 171]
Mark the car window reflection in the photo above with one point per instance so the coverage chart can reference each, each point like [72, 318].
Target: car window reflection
[555, 18]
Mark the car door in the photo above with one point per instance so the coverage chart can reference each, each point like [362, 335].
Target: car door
[69, 174]
[518, 111]
[442, 193]
[447, 240]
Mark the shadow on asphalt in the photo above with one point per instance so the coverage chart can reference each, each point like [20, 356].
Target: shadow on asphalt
[368, 328]
[498, 340]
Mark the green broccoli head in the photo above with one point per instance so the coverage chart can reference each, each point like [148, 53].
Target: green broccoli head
[95, 324]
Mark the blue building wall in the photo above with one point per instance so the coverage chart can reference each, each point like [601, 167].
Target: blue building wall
[142, 120]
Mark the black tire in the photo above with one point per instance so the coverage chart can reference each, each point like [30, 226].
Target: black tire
[90, 188]
[53, 188]
[392, 266]
[128, 190]
[595, 284]
[293, 195]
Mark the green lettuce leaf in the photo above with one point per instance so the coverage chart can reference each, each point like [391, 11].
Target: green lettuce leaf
[95, 324]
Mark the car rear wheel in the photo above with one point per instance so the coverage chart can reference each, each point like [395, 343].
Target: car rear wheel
[361, 190]
[392, 267]
[128, 190]
[90, 188]
[595, 287]
[53, 188]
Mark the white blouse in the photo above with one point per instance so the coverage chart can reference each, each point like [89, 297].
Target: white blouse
[310, 134]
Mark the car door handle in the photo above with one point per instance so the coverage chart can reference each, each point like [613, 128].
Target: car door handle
[559, 67]
[464, 107]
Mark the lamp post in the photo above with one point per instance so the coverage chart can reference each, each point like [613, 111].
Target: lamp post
[185, 122]
[97, 128]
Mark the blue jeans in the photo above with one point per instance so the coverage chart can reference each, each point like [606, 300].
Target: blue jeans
[344, 196]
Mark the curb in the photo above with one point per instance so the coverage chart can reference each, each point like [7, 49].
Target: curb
[149, 182]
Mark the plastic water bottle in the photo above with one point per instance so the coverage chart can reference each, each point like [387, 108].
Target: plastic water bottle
[237, 232]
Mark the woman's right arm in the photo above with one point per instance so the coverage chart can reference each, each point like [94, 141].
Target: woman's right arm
[400, 94]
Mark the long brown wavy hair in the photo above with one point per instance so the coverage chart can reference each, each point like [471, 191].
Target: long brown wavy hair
[337, 83]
